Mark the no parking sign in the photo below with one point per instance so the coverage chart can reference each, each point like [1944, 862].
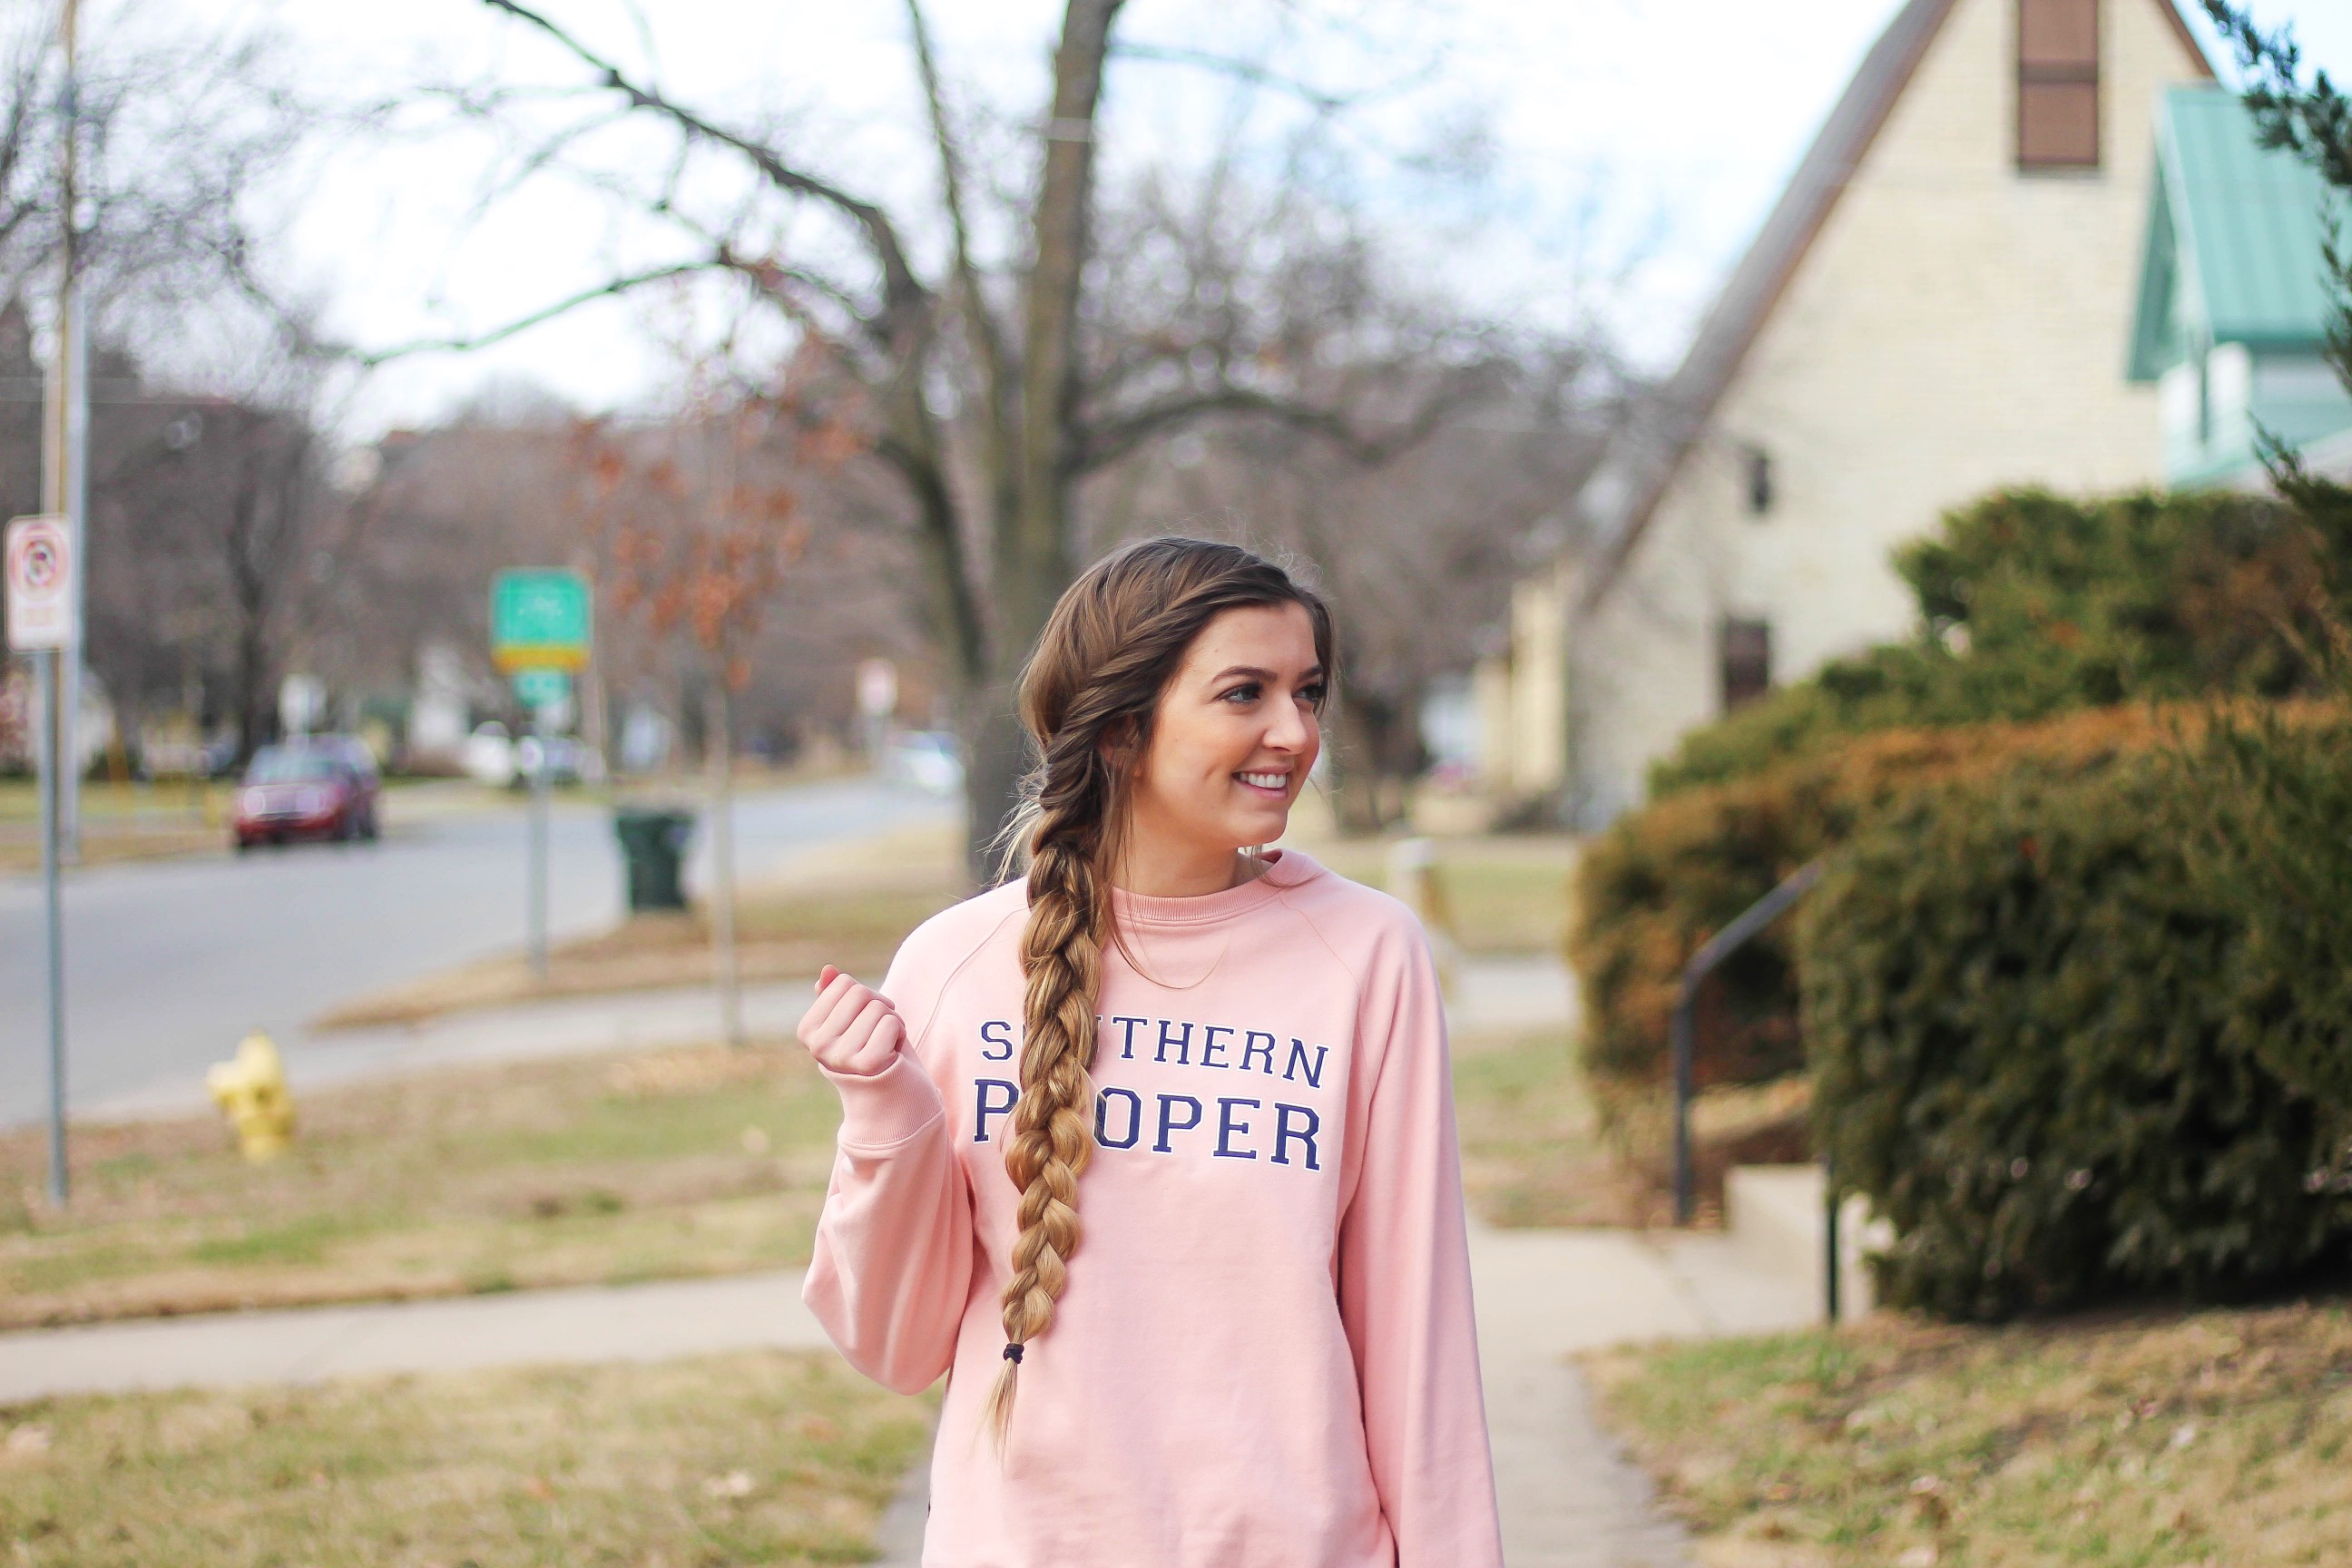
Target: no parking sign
[39, 565]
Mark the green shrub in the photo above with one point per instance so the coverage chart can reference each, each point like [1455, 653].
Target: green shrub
[2032, 605]
[2035, 1051]
[2275, 854]
[1661, 880]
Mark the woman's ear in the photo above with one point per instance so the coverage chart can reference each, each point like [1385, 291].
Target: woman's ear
[1117, 748]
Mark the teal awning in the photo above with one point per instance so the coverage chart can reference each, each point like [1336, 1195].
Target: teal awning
[2232, 254]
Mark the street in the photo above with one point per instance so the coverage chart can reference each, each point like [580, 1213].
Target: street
[168, 963]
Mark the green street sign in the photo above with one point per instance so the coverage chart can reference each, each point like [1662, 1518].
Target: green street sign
[539, 620]
[539, 687]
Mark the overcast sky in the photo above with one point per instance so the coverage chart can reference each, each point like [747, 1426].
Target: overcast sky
[1598, 155]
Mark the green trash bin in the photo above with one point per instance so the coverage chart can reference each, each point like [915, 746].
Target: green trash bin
[653, 847]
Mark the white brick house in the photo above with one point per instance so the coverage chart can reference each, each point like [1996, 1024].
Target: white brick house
[1940, 303]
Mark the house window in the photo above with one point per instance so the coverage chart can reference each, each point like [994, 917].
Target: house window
[1759, 480]
[2057, 84]
[1747, 658]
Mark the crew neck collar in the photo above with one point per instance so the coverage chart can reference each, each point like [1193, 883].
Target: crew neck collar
[1284, 868]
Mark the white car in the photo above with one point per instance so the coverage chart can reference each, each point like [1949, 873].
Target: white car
[488, 756]
[927, 758]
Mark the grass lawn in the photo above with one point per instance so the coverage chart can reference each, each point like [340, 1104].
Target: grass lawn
[608, 1169]
[603, 1170]
[850, 908]
[125, 822]
[753, 1458]
[598, 1170]
[2220, 1438]
[1531, 1151]
[1507, 894]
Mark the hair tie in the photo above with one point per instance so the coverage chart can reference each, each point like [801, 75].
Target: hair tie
[1013, 1355]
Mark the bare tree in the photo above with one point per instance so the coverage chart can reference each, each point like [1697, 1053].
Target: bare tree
[981, 384]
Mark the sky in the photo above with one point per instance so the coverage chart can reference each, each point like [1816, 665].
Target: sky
[1604, 196]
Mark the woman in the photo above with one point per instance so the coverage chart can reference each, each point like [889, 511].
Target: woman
[1256, 1349]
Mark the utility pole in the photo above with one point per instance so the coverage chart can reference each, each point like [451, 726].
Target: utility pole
[65, 434]
[36, 561]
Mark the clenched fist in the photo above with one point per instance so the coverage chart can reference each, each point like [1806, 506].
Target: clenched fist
[850, 1028]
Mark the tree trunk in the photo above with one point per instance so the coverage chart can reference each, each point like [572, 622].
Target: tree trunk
[1033, 557]
[996, 753]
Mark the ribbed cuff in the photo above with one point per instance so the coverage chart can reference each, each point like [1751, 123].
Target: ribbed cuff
[879, 1110]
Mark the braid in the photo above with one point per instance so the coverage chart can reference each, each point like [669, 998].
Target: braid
[1088, 695]
[1053, 1135]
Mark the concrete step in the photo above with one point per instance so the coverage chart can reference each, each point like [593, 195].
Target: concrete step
[1777, 1216]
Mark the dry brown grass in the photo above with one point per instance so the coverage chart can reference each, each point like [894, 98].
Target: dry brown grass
[1506, 893]
[685, 1162]
[2143, 1440]
[754, 1458]
[110, 845]
[848, 906]
[1531, 1151]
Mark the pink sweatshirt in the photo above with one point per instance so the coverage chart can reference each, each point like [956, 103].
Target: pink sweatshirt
[1265, 1357]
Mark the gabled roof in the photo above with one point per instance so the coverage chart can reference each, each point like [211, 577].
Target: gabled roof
[2233, 237]
[1619, 499]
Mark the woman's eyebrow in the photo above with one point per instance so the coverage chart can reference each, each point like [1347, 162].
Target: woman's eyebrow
[1313, 672]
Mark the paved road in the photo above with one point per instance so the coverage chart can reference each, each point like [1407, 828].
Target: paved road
[168, 963]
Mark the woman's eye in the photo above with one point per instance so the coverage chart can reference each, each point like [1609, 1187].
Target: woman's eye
[1312, 695]
[1245, 693]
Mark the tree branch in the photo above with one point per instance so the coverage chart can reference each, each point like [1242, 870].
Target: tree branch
[1109, 441]
[612, 290]
[980, 326]
[941, 544]
[903, 293]
[1320, 99]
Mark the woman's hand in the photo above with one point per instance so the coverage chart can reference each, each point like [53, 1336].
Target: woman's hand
[850, 1028]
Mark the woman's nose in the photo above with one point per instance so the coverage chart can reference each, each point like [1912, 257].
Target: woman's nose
[1291, 730]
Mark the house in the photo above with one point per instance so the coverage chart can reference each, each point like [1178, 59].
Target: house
[2232, 324]
[1940, 303]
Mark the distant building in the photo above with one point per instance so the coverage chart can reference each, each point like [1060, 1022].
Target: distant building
[2232, 325]
[1940, 303]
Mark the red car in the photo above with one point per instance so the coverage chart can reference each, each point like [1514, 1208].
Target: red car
[323, 787]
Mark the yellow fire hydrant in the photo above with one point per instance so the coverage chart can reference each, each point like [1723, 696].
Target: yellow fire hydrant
[251, 1092]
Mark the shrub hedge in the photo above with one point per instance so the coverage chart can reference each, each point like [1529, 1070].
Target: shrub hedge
[2032, 605]
[1661, 880]
[2039, 1047]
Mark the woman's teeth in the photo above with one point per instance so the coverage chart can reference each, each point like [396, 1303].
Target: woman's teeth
[1265, 781]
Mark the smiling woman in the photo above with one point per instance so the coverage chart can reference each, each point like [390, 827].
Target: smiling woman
[1262, 1356]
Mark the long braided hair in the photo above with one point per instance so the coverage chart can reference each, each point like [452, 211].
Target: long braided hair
[1115, 640]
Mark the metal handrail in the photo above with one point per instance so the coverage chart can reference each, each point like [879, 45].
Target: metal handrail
[1704, 963]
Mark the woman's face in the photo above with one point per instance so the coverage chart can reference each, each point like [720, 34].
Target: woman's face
[1233, 736]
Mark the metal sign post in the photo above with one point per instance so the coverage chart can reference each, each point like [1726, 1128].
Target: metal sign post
[540, 627]
[37, 558]
[543, 691]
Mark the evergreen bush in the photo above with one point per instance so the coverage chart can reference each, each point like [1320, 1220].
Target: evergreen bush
[2037, 1050]
[1661, 880]
[2032, 605]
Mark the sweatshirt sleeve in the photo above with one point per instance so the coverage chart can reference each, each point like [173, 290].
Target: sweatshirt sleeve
[893, 1260]
[1404, 1285]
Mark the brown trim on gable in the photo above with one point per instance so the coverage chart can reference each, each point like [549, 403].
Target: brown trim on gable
[1756, 285]
[1763, 274]
[2188, 37]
